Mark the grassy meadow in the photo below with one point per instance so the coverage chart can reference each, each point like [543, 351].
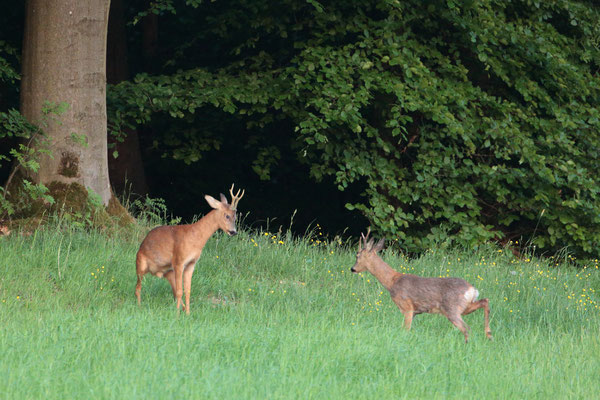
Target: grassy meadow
[273, 317]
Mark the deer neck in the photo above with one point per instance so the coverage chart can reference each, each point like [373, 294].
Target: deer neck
[385, 274]
[205, 227]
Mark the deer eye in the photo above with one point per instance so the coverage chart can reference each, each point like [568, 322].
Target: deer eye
[227, 216]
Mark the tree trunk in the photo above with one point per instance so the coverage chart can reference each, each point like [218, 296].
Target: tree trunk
[127, 170]
[150, 42]
[64, 60]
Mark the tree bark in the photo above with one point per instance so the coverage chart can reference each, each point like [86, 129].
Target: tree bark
[150, 42]
[64, 60]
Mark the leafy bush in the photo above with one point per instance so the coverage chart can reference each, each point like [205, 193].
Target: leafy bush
[20, 195]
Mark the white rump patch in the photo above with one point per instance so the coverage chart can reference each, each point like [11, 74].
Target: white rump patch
[471, 294]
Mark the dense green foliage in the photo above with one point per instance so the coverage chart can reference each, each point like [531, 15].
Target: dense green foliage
[456, 121]
[277, 318]
[441, 121]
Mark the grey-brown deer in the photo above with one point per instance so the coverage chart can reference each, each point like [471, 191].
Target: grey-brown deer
[172, 251]
[451, 297]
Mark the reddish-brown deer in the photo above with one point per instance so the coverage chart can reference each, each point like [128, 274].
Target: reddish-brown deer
[451, 297]
[172, 251]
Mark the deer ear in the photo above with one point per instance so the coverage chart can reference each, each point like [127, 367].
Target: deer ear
[214, 203]
[379, 245]
[223, 199]
[369, 244]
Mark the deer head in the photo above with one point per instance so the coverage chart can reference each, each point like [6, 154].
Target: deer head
[367, 251]
[226, 212]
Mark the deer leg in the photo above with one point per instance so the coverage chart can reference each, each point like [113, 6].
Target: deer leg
[476, 305]
[483, 303]
[408, 317]
[170, 276]
[138, 289]
[407, 310]
[187, 284]
[141, 269]
[460, 324]
[178, 271]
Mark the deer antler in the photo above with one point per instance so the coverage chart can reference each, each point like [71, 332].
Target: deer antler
[365, 238]
[235, 198]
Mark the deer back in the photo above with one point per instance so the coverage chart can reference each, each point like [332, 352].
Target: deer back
[432, 294]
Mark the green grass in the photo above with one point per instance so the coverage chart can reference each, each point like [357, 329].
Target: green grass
[272, 317]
